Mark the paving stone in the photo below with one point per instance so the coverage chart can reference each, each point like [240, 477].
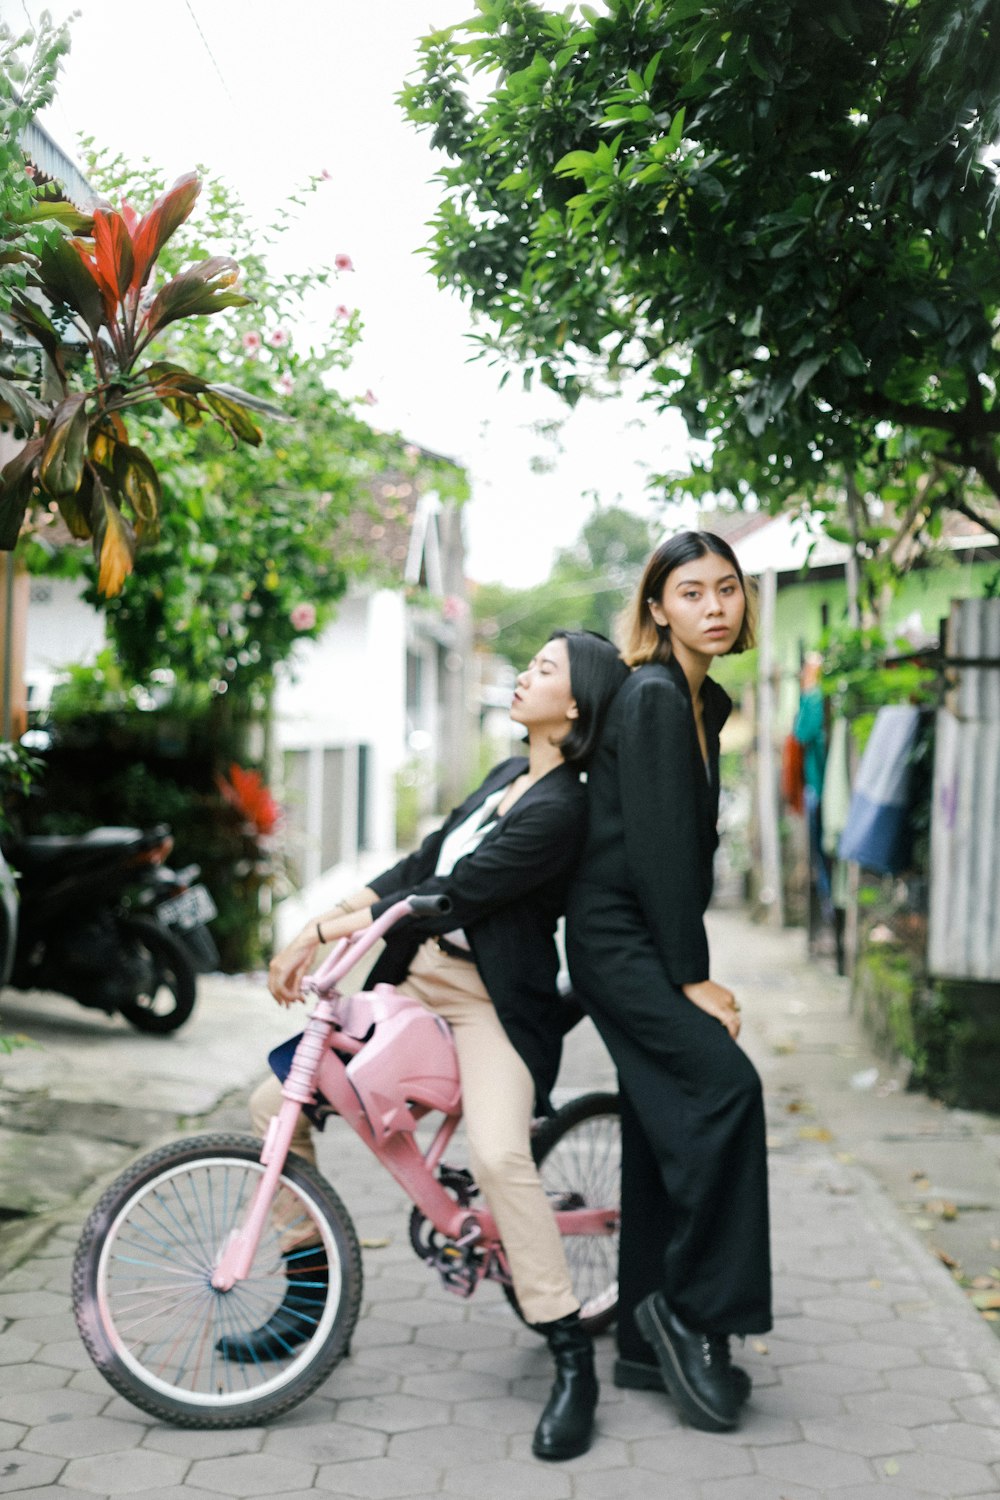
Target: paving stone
[899, 1407]
[629, 1484]
[414, 1313]
[16, 1349]
[870, 1355]
[373, 1333]
[251, 1474]
[797, 1402]
[835, 1379]
[403, 1359]
[26, 1471]
[465, 1336]
[31, 1304]
[843, 1310]
[84, 1436]
[49, 1405]
[504, 1479]
[962, 1439]
[24, 1378]
[689, 1454]
[470, 1385]
[382, 1479]
[125, 1473]
[330, 1442]
[981, 1409]
[393, 1413]
[855, 1435]
[445, 1446]
[68, 1354]
[751, 1487]
[943, 1476]
[937, 1382]
[49, 1328]
[809, 1464]
[209, 1444]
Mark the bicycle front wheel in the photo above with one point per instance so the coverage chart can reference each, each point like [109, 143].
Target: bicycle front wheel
[578, 1153]
[164, 1337]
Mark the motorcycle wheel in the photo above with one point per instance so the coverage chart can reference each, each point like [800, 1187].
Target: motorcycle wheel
[167, 999]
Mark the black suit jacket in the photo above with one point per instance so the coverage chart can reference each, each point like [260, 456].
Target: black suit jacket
[653, 806]
[507, 896]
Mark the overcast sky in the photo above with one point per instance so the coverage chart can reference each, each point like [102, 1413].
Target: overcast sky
[266, 94]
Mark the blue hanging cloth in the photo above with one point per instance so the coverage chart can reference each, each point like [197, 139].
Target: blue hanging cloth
[878, 832]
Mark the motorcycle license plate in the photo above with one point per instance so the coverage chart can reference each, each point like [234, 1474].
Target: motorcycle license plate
[189, 909]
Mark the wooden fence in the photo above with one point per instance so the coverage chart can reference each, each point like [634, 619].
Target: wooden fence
[964, 928]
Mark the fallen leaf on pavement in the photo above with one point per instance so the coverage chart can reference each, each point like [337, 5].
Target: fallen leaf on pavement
[375, 1244]
[759, 1347]
[986, 1301]
[983, 1283]
[814, 1133]
[945, 1258]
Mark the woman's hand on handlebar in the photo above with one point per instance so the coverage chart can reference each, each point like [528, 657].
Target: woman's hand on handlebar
[717, 1001]
[289, 967]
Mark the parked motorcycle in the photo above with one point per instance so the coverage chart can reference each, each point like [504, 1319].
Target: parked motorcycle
[101, 918]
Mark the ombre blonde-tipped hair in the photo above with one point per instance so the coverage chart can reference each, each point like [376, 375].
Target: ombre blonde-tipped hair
[642, 639]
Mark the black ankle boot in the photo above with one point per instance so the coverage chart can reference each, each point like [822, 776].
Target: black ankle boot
[292, 1322]
[566, 1425]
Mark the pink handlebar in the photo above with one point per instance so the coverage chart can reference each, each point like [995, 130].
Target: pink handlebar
[348, 950]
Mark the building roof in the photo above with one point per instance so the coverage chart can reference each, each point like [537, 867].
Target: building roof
[52, 164]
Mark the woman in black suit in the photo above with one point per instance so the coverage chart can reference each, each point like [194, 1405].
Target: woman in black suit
[694, 1256]
[489, 967]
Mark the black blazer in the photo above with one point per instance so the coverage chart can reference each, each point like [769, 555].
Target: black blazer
[507, 896]
[653, 806]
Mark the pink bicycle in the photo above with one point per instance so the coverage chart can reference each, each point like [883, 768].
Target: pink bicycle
[186, 1254]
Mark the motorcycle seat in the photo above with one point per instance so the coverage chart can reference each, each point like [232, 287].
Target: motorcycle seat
[42, 849]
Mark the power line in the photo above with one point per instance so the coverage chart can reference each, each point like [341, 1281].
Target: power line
[211, 54]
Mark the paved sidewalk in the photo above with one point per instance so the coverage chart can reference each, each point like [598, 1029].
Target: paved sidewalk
[880, 1379]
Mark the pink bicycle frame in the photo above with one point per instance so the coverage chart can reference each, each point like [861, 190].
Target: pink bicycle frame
[401, 1066]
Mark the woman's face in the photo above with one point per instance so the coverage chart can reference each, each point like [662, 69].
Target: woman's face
[543, 699]
[703, 604]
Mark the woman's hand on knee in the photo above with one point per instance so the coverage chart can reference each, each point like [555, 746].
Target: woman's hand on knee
[717, 1001]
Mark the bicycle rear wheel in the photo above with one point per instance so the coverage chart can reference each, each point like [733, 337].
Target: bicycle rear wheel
[578, 1155]
[147, 1311]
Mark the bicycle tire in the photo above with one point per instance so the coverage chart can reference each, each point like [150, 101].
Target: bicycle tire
[145, 1307]
[173, 978]
[578, 1155]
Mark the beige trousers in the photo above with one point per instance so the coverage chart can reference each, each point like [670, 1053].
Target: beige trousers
[498, 1102]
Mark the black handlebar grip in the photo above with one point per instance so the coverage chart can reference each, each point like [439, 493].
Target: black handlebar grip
[429, 906]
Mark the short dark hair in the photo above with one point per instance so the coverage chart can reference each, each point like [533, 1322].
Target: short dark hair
[644, 639]
[596, 672]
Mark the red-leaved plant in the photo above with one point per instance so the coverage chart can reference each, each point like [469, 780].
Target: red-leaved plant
[96, 277]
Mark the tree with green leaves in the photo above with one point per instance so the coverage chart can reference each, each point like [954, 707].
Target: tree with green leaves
[587, 588]
[780, 216]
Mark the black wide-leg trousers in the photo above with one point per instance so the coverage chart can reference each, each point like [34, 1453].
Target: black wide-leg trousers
[694, 1164]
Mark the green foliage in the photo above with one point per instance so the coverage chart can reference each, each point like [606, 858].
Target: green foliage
[29, 65]
[587, 588]
[781, 214]
[252, 552]
[860, 679]
[19, 772]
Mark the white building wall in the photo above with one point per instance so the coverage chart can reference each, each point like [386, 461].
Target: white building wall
[62, 631]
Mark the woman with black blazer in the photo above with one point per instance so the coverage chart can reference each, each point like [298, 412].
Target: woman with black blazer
[489, 967]
[694, 1256]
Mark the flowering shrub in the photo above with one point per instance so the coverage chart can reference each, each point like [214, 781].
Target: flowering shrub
[246, 792]
[97, 280]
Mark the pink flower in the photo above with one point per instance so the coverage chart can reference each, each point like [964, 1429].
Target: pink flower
[370, 398]
[286, 385]
[278, 338]
[251, 342]
[303, 617]
[343, 262]
[453, 607]
[412, 452]
[342, 311]
[325, 175]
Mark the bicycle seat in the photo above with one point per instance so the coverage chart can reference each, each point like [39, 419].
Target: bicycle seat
[408, 1060]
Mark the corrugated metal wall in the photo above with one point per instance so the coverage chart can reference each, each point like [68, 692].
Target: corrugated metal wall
[964, 933]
